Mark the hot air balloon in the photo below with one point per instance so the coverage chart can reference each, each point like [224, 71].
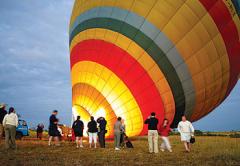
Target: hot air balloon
[133, 57]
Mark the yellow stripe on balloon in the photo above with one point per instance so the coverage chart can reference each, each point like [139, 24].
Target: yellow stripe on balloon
[140, 55]
[94, 107]
[110, 86]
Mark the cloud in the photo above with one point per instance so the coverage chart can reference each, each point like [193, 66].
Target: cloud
[34, 66]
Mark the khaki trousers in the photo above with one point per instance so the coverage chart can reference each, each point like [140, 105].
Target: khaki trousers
[10, 134]
[1, 131]
[153, 141]
[117, 136]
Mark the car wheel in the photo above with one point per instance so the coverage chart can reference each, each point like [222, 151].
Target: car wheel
[18, 135]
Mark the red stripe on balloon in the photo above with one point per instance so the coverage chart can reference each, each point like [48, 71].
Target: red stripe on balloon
[223, 19]
[127, 69]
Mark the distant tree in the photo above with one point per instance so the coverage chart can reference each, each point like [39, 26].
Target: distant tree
[198, 133]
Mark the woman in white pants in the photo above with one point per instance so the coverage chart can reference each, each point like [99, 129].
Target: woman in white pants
[164, 130]
[186, 130]
[92, 132]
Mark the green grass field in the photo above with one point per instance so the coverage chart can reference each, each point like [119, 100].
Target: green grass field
[206, 151]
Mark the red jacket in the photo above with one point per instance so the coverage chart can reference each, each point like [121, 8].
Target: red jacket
[164, 131]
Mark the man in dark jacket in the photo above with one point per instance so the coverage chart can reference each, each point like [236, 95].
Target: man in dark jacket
[3, 112]
[53, 131]
[102, 131]
[152, 122]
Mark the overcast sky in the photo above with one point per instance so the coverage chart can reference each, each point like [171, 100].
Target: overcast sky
[35, 71]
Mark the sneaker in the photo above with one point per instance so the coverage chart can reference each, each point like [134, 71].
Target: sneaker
[162, 150]
[81, 146]
[170, 150]
[77, 147]
[117, 149]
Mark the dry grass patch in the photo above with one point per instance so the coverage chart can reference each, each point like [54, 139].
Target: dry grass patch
[207, 151]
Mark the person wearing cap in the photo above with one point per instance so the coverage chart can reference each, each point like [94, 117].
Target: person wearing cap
[53, 129]
[152, 122]
[3, 112]
[10, 122]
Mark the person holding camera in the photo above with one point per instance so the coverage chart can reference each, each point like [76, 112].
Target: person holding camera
[102, 131]
[152, 122]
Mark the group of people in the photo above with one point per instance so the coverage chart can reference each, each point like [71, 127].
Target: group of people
[185, 129]
[8, 124]
[93, 131]
[95, 128]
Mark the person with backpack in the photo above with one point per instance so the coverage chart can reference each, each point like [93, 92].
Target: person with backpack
[78, 127]
[152, 122]
[186, 130]
[164, 130]
[92, 132]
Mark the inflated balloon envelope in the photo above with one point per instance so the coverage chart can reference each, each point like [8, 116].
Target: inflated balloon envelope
[133, 57]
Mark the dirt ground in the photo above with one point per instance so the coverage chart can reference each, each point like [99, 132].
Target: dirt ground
[206, 151]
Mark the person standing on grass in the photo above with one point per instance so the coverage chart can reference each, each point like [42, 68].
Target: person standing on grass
[102, 131]
[117, 133]
[92, 132]
[152, 122]
[3, 112]
[78, 131]
[186, 130]
[53, 129]
[10, 122]
[164, 130]
[123, 134]
[40, 128]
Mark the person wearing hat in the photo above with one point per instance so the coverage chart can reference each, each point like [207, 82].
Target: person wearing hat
[3, 112]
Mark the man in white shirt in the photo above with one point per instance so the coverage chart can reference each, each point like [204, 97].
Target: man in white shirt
[10, 122]
[186, 131]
